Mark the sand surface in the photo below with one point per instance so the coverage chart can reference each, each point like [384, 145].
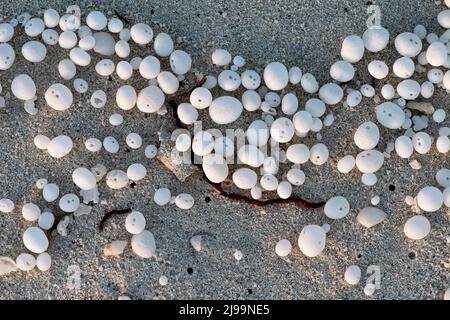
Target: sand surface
[304, 33]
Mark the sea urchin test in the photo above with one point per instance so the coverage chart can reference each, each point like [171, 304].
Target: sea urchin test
[166, 73]
[276, 76]
[35, 240]
[23, 87]
[162, 196]
[136, 172]
[312, 240]
[84, 178]
[60, 146]
[342, 71]
[375, 38]
[331, 93]
[367, 136]
[390, 115]
[352, 49]
[59, 97]
[34, 51]
[369, 161]
[352, 275]
[215, 167]
[430, 199]
[283, 248]
[6, 32]
[245, 178]
[143, 244]
[163, 45]
[336, 208]
[150, 99]
[6, 205]
[7, 56]
[135, 222]
[417, 227]
[282, 130]
[184, 201]
[126, 97]
[69, 202]
[225, 109]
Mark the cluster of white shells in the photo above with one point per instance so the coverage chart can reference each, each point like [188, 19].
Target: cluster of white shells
[269, 94]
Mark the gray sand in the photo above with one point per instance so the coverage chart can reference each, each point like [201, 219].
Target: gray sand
[303, 33]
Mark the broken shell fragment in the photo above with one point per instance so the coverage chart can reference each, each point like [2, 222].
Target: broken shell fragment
[370, 216]
[143, 244]
[115, 248]
[7, 265]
